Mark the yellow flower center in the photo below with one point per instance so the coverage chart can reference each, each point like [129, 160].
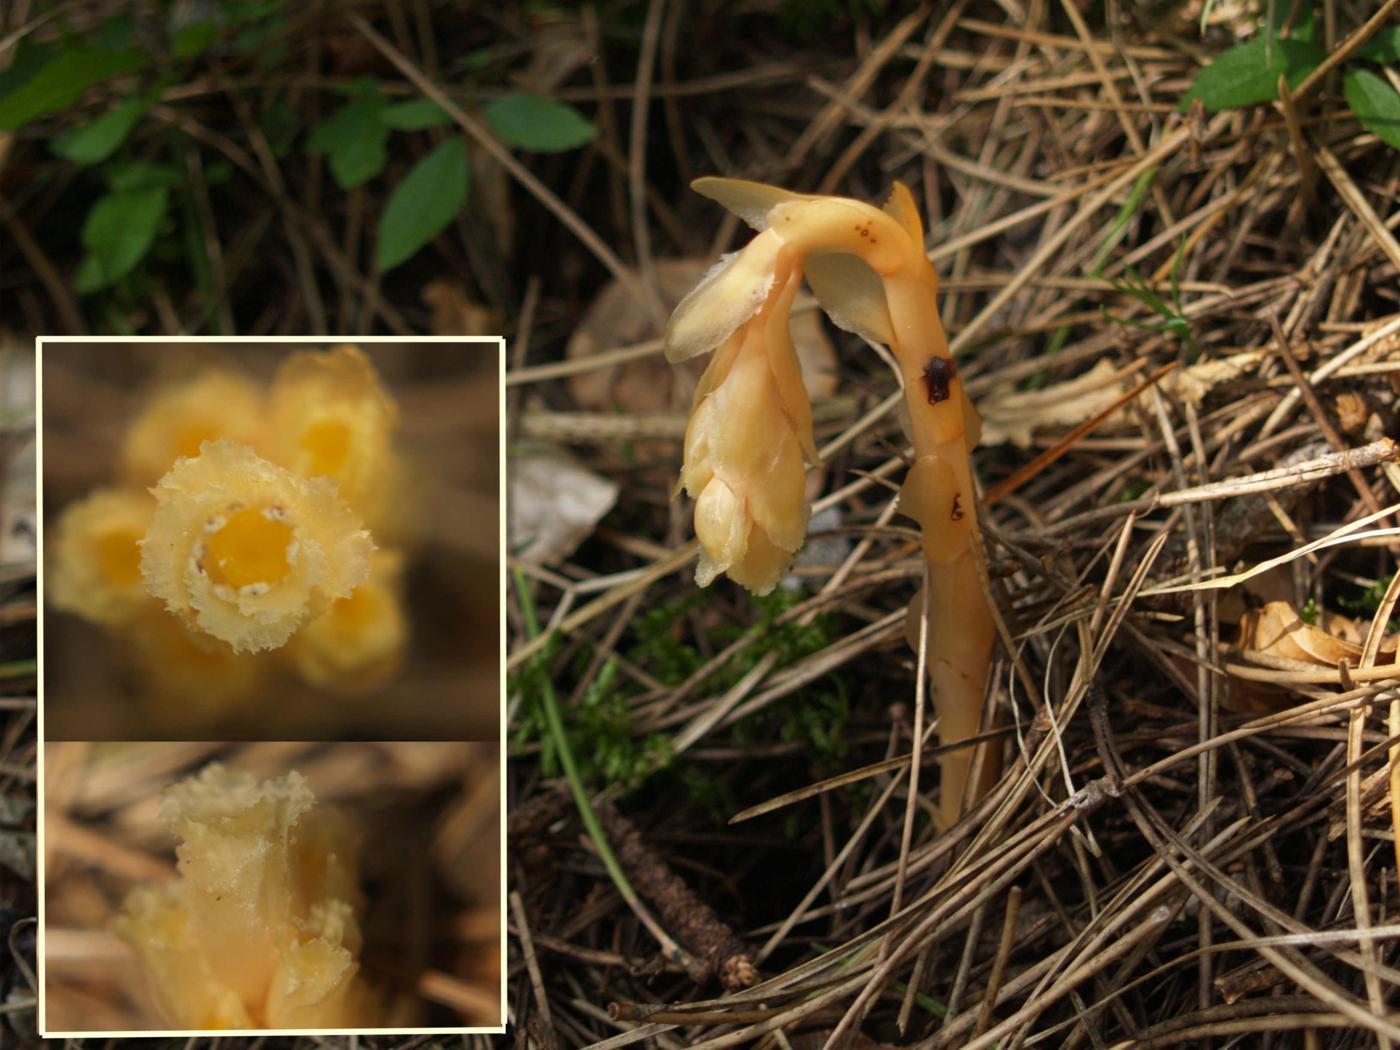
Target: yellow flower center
[250, 547]
[119, 557]
[327, 445]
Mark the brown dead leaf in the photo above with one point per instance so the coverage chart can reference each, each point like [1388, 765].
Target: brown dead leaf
[1352, 412]
[1013, 416]
[454, 313]
[1278, 631]
[1009, 415]
[554, 503]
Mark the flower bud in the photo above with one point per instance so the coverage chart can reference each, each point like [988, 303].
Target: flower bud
[744, 453]
[330, 416]
[180, 417]
[96, 564]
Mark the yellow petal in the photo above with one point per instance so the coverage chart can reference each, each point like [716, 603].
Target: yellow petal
[852, 295]
[722, 527]
[180, 417]
[732, 292]
[751, 201]
[358, 643]
[763, 564]
[331, 417]
[901, 206]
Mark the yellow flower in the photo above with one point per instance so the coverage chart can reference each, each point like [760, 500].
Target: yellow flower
[179, 418]
[331, 417]
[743, 453]
[261, 930]
[248, 551]
[187, 676]
[95, 570]
[358, 643]
[751, 421]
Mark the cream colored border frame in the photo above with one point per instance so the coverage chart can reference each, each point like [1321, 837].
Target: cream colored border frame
[39, 343]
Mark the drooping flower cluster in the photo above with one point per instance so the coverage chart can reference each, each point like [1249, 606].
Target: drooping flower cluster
[247, 517]
[750, 424]
[261, 929]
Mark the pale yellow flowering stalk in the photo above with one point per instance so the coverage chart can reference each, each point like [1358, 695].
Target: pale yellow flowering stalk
[868, 269]
[95, 567]
[261, 930]
[330, 416]
[247, 551]
[180, 417]
[357, 644]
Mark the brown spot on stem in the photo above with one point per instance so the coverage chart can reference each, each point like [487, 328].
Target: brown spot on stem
[957, 507]
[939, 374]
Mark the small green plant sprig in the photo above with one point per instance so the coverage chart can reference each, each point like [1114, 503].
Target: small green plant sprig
[1368, 602]
[600, 727]
[109, 100]
[1172, 319]
[1248, 73]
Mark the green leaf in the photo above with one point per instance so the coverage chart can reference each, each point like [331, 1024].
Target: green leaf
[116, 33]
[191, 41]
[354, 138]
[118, 232]
[141, 175]
[417, 115]
[1384, 47]
[1375, 104]
[478, 59]
[280, 123]
[95, 141]
[62, 81]
[423, 204]
[28, 59]
[537, 124]
[1245, 75]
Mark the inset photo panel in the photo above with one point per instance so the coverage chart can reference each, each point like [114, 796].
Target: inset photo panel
[275, 886]
[271, 539]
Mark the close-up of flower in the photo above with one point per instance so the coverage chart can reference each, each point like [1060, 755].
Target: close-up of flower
[330, 416]
[261, 930]
[196, 886]
[180, 416]
[248, 528]
[249, 551]
[97, 555]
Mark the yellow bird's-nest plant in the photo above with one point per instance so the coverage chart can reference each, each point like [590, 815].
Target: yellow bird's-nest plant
[750, 426]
